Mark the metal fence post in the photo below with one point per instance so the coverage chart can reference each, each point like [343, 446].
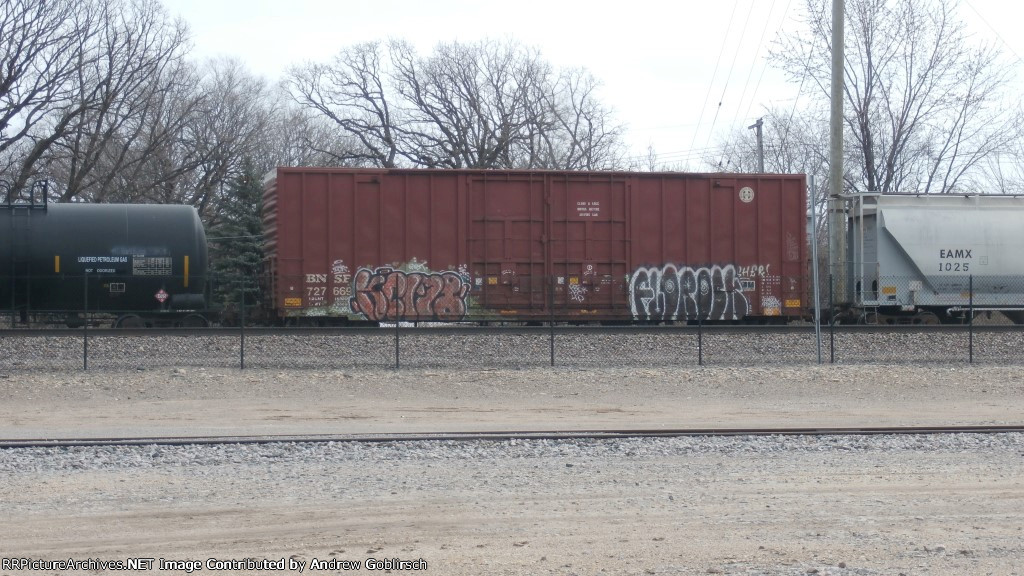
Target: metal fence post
[831, 319]
[700, 339]
[970, 320]
[551, 317]
[85, 321]
[815, 281]
[395, 294]
[241, 327]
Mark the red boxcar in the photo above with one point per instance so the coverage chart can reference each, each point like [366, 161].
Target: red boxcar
[445, 245]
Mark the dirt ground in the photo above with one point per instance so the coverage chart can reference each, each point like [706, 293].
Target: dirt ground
[707, 515]
[199, 401]
[863, 512]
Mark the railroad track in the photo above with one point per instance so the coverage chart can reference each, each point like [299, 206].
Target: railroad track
[505, 330]
[504, 436]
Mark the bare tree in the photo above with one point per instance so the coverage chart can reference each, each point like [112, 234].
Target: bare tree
[353, 92]
[576, 132]
[151, 154]
[483, 105]
[96, 96]
[1005, 171]
[108, 94]
[228, 129]
[43, 45]
[189, 137]
[465, 103]
[301, 137]
[136, 58]
[923, 103]
[148, 159]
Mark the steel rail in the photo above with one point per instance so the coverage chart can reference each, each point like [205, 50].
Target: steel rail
[504, 436]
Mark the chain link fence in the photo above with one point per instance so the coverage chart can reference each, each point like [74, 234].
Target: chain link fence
[948, 320]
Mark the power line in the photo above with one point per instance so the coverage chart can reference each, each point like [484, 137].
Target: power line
[680, 156]
[994, 31]
[753, 63]
[725, 87]
[711, 85]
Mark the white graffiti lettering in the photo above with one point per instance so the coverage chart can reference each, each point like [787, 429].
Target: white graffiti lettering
[577, 292]
[673, 292]
[753, 271]
[339, 267]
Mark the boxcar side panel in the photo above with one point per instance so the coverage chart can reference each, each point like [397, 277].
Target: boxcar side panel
[716, 247]
[765, 271]
[507, 252]
[486, 244]
[588, 244]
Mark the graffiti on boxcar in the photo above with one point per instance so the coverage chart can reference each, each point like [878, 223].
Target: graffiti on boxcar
[754, 271]
[673, 292]
[341, 291]
[771, 306]
[386, 294]
[792, 247]
[415, 265]
[577, 292]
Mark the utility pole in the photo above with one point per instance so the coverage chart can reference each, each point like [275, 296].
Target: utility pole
[836, 204]
[760, 143]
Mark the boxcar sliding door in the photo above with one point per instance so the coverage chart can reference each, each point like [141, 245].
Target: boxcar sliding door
[588, 230]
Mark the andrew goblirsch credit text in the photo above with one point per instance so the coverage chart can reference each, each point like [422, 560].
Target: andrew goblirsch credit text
[214, 564]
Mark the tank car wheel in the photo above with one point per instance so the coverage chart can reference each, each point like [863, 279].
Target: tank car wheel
[130, 321]
[926, 318]
[194, 321]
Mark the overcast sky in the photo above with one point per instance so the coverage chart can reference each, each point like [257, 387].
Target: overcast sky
[664, 65]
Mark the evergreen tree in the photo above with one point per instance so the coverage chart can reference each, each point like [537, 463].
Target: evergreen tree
[236, 245]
